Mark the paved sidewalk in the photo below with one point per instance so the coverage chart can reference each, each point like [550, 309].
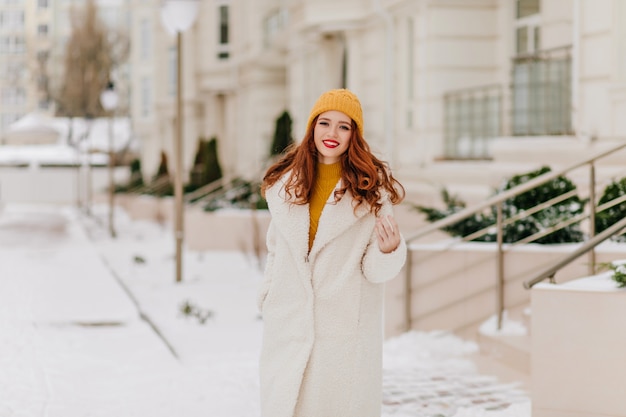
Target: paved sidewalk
[71, 341]
[73, 344]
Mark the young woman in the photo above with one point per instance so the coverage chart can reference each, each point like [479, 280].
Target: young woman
[332, 242]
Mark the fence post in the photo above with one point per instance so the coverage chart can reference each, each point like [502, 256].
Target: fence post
[592, 216]
[500, 266]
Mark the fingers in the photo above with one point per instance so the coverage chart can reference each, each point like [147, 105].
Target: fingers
[388, 233]
[387, 226]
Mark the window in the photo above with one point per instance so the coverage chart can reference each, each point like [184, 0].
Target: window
[42, 56]
[146, 39]
[527, 27]
[13, 96]
[472, 119]
[541, 90]
[542, 94]
[273, 24]
[12, 45]
[42, 30]
[11, 71]
[223, 25]
[12, 19]
[223, 50]
[527, 8]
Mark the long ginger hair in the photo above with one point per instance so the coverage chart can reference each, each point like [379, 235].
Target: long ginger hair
[362, 173]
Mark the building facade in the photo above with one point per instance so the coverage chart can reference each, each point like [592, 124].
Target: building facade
[33, 37]
[439, 80]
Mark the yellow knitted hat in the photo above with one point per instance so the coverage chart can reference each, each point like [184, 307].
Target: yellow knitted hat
[342, 100]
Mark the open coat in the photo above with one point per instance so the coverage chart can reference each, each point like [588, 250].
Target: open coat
[322, 310]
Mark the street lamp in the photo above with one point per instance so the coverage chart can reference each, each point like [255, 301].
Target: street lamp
[109, 99]
[178, 16]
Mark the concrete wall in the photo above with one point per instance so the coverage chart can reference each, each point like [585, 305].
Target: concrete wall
[238, 230]
[53, 185]
[578, 343]
[455, 288]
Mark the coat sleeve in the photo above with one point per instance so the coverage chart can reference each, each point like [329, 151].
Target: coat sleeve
[264, 287]
[377, 266]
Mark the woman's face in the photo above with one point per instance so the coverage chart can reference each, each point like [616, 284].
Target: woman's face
[332, 133]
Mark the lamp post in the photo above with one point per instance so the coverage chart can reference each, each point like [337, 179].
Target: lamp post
[109, 99]
[177, 16]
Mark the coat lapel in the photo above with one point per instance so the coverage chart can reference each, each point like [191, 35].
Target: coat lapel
[291, 219]
[336, 218]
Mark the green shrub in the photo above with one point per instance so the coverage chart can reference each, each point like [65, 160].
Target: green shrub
[608, 217]
[239, 193]
[162, 177]
[135, 180]
[282, 134]
[520, 229]
[206, 167]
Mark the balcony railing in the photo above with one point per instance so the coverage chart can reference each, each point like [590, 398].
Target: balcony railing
[473, 117]
[540, 104]
[541, 93]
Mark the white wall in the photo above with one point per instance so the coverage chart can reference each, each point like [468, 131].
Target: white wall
[58, 185]
[578, 342]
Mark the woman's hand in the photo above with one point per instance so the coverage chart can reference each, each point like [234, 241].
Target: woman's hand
[388, 234]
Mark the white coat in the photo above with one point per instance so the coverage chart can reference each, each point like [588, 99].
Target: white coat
[322, 311]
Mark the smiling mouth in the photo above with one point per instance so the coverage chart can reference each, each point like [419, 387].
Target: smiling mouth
[330, 143]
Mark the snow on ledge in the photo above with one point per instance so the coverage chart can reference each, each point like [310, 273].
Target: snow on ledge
[598, 283]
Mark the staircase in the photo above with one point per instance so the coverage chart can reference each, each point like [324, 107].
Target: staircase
[508, 351]
[455, 285]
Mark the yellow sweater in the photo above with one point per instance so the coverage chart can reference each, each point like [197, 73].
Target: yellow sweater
[325, 182]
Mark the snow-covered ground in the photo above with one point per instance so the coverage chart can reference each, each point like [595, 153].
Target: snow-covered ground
[94, 326]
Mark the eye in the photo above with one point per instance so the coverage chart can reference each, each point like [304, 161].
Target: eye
[345, 127]
[323, 123]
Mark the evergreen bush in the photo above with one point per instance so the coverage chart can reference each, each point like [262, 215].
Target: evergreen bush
[135, 180]
[282, 134]
[608, 217]
[162, 174]
[206, 167]
[240, 194]
[522, 228]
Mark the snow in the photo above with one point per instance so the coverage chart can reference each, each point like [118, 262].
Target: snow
[87, 136]
[93, 326]
[34, 155]
[508, 327]
[601, 282]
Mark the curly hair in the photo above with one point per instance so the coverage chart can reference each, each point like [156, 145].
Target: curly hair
[362, 173]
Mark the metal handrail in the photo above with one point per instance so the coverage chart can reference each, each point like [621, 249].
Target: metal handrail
[497, 201]
[522, 215]
[157, 185]
[550, 271]
[499, 198]
[197, 195]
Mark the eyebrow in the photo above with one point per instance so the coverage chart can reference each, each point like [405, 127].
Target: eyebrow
[341, 121]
